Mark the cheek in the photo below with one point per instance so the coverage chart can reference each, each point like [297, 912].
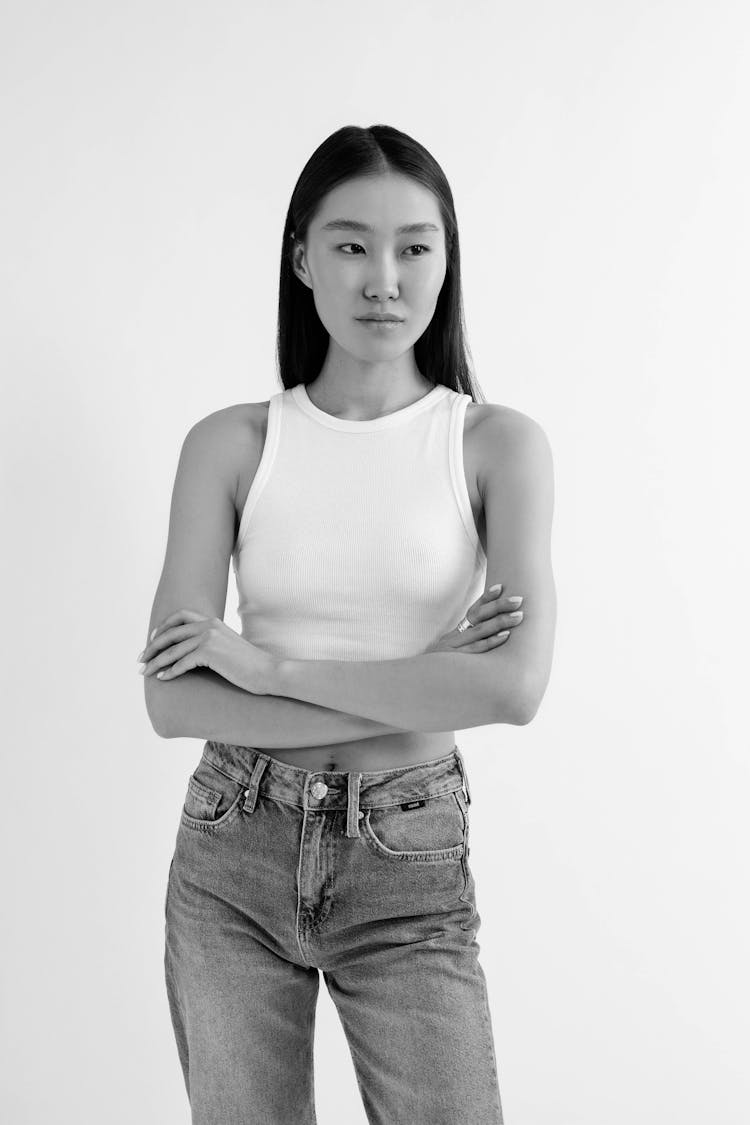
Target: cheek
[331, 305]
[426, 286]
[436, 278]
[334, 289]
[425, 302]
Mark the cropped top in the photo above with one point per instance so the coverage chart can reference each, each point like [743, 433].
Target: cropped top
[357, 539]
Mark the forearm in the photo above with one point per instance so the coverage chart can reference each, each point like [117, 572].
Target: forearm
[435, 691]
[202, 704]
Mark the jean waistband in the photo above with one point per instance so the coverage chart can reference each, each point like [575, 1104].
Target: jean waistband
[352, 790]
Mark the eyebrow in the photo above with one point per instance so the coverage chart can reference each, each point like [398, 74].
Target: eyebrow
[353, 224]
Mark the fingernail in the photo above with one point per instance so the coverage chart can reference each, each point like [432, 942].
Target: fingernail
[140, 655]
[141, 668]
[515, 600]
[153, 633]
[498, 586]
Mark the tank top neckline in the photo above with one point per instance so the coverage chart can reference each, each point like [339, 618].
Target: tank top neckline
[385, 421]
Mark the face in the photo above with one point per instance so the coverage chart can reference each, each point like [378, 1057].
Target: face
[354, 272]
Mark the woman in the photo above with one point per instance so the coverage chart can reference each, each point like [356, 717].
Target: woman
[326, 825]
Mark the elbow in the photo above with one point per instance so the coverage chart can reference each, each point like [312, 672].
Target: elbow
[518, 704]
[163, 731]
[160, 725]
[530, 702]
[525, 715]
[514, 708]
[157, 713]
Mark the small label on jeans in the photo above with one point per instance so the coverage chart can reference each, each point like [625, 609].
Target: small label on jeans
[413, 805]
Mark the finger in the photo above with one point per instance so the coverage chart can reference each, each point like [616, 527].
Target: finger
[176, 618]
[481, 631]
[186, 664]
[493, 622]
[486, 608]
[503, 620]
[481, 609]
[493, 641]
[170, 636]
[171, 655]
[491, 594]
[495, 614]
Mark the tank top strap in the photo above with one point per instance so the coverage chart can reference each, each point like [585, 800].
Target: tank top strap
[273, 431]
[458, 405]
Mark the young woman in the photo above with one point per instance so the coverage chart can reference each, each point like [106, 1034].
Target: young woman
[364, 507]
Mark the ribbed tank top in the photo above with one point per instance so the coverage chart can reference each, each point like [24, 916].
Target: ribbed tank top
[357, 539]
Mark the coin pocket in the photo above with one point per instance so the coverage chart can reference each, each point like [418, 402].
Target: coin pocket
[427, 831]
[212, 797]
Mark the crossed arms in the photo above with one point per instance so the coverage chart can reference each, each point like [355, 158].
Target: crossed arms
[340, 701]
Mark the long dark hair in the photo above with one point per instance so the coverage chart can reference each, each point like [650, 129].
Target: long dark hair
[442, 352]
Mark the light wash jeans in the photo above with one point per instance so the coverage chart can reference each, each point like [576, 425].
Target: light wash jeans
[279, 872]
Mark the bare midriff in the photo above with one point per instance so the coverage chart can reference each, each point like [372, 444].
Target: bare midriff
[385, 752]
[395, 749]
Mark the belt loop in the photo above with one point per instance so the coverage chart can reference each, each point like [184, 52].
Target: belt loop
[251, 793]
[352, 804]
[464, 774]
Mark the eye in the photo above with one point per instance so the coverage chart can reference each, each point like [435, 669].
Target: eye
[415, 246]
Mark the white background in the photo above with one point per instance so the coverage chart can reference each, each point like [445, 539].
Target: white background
[597, 153]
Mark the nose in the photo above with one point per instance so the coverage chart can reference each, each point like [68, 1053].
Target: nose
[383, 280]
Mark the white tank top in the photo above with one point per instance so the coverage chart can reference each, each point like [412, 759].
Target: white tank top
[357, 539]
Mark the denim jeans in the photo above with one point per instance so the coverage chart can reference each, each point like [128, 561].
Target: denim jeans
[279, 872]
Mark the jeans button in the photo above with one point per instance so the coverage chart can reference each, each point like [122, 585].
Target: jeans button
[319, 789]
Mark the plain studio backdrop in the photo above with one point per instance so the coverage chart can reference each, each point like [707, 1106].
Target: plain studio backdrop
[598, 157]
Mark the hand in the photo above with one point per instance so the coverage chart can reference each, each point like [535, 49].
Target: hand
[187, 640]
[489, 615]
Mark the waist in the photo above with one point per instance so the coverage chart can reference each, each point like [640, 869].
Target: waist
[387, 751]
[331, 789]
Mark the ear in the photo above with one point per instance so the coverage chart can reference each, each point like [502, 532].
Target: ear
[298, 264]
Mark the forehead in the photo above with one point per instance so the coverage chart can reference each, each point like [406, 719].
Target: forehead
[387, 204]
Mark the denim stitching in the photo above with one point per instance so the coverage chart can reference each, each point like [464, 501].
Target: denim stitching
[211, 826]
[437, 855]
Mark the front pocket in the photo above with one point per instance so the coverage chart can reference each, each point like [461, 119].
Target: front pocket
[429, 833]
[212, 798]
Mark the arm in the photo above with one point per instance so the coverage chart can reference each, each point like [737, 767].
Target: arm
[201, 704]
[204, 705]
[446, 691]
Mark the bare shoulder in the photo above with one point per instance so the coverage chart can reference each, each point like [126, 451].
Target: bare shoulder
[233, 438]
[502, 438]
[497, 418]
[233, 422]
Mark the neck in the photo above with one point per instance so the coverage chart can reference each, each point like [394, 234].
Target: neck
[361, 397]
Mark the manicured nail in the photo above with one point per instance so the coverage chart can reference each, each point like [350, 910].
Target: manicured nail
[498, 586]
[515, 600]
